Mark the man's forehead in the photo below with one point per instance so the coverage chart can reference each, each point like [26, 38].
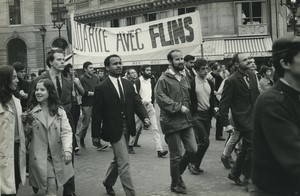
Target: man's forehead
[177, 54]
[243, 56]
[114, 59]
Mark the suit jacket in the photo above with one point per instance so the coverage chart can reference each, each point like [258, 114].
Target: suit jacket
[107, 120]
[240, 99]
[276, 141]
[66, 94]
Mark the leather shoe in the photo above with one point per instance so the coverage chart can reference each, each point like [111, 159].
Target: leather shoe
[220, 138]
[182, 184]
[137, 145]
[225, 161]
[235, 179]
[101, 146]
[131, 150]
[109, 190]
[192, 168]
[35, 190]
[178, 189]
[162, 153]
[81, 141]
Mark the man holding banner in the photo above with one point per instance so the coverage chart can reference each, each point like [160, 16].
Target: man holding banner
[172, 96]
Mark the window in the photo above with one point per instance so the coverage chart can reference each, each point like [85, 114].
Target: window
[14, 12]
[130, 20]
[186, 10]
[249, 13]
[57, 4]
[150, 17]
[114, 23]
[92, 24]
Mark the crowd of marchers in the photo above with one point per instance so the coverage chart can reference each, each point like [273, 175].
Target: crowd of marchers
[259, 109]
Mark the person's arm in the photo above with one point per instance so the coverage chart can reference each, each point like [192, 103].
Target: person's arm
[139, 108]
[97, 113]
[282, 135]
[66, 136]
[225, 103]
[78, 86]
[163, 100]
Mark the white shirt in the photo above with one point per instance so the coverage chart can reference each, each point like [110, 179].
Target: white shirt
[145, 90]
[115, 83]
[203, 91]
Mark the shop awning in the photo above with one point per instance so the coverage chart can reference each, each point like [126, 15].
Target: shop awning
[255, 47]
[213, 50]
[155, 58]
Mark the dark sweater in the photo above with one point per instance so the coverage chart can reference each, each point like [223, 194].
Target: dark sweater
[89, 84]
[276, 140]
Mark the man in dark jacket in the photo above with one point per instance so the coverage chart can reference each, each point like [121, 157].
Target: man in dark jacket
[239, 94]
[113, 119]
[276, 136]
[172, 95]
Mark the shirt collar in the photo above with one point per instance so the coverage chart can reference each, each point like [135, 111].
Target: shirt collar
[113, 78]
[173, 73]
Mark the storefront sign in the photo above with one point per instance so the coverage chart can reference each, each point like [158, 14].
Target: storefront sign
[165, 34]
[246, 30]
[252, 54]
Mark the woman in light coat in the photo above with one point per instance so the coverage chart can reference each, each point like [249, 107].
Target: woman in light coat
[12, 139]
[50, 136]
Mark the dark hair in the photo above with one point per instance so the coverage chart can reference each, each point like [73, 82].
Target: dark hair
[235, 58]
[33, 74]
[53, 101]
[143, 68]
[288, 57]
[188, 57]
[41, 71]
[6, 77]
[263, 70]
[18, 66]
[66, 70]
[86, 64]
[200, 63]
[169, 56]
[50, 55]
[214, 65]
[107, 59]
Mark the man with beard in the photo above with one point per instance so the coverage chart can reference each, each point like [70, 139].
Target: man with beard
[145, 88]
[114, 105]
[172, 95]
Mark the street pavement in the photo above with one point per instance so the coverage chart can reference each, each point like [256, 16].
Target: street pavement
[150, 174]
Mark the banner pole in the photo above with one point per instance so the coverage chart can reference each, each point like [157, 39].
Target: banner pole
[202, 53]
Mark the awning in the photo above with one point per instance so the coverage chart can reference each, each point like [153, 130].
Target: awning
[213, 50]
[255, 47]
[155, 58]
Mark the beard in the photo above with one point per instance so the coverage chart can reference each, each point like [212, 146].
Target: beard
[178, 67]
[147, 75]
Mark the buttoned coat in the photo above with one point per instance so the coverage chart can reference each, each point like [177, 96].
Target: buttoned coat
[7, 133]
[57, 136]
[107, 119]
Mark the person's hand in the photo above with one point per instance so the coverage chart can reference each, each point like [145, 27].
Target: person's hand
[147, 122]
[23, 94]
[68, 157]
[229, 128]
[184, 110]
[30, 119]
[90, 93]
[24, 117]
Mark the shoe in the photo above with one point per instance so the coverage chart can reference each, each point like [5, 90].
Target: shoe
[220, 138]
[137, 145]
[235, 179]
[200, 170]
[35, 190]
[161, 153]
[131, 150]
[225, 161]
[81, 141]
[230, 160]
[76, 150]
[192, 168]
[102, 146]
[109, 190]
[178, 189]
[182, 184]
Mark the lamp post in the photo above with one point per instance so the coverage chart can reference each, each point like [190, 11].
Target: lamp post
[43, 34]
[58, 19]
[293, 6]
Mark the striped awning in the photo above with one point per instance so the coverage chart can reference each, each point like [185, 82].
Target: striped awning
[212, 50]
[255, 47]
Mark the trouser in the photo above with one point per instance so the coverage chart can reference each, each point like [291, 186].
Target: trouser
[17, 169]
[178, 163]
[234, 138]
[244, 156]
[201, 126]
[219, 127]
[154, 128]
[120, 164]
[75, 111]
[86, 118]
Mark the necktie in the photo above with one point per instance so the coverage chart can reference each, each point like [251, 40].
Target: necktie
[121, 92]
[58, 86]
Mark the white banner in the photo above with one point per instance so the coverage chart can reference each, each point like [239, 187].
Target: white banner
[168, 33]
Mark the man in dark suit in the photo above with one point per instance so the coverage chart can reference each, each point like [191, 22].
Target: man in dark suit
[115, 103]
[276, 135]
[56, 63]
[239, 94]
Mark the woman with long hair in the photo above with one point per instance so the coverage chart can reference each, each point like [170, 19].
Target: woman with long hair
[12, 139]
[50, 136]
